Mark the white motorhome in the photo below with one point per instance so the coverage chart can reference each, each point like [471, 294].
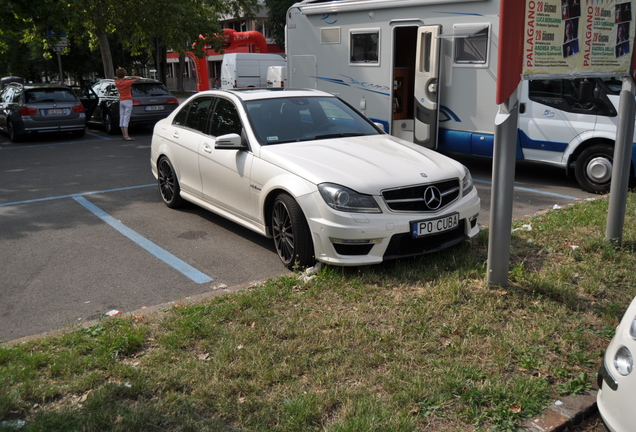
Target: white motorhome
[426, 70]
[241, 70]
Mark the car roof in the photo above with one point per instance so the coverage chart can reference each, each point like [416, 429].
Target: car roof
[248, 94]
[29, 86]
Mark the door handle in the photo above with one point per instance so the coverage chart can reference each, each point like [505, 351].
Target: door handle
[207, 148]
[175, 134]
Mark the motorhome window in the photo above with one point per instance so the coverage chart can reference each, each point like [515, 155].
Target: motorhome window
[472, 49]
[364, 47]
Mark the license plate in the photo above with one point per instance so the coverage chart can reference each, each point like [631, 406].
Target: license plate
[56, 111]
[434, 226]
[154, 108]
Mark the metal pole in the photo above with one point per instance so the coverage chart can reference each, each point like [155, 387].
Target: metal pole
[59, 63]
[621, 163]
[503, 178]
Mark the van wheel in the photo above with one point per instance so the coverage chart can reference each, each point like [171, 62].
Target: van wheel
[109, 124]
[593, 168]
[291, 233]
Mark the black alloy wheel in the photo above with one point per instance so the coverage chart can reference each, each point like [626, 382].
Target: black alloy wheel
[292, 237]
[168, 183]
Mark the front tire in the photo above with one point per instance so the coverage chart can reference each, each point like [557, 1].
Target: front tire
[593, 168]
[292, 238]
[168, 183]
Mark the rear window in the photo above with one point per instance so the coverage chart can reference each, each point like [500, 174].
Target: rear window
[149, 89]
[50, 95]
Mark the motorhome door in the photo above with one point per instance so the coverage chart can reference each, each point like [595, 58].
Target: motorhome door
[426, 86]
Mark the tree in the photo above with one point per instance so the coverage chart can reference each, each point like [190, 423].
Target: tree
[141, 28]
[278, 18]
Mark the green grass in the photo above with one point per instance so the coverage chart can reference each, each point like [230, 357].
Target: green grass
[414, 345]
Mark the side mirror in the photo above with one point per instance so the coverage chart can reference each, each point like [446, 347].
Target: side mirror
[229, 142]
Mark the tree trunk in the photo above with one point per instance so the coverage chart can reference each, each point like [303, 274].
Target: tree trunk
[107, 59]
[104, 45]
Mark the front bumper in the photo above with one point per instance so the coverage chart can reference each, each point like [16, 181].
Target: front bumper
[617, 393]
[350, 239]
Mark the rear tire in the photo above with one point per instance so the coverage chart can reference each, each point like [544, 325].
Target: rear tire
[593, 168]
[110, 126]
[292, 237]
[13, 135]
[168, 183]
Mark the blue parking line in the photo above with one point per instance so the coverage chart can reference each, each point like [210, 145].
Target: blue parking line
[532, 190]
[74, 195]
[165, 256]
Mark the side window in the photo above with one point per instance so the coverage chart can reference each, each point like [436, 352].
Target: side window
[226, 119]
[472, 49]
[17, 94]
[111, 90]
[195, 114]
[365, 47]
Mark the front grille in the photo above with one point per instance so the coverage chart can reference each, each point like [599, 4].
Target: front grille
[404, 245]
[411, 199]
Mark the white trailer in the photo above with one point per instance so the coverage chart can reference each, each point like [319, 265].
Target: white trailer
[426, 70]
[241, 70]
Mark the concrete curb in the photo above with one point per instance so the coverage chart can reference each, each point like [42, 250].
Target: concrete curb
[563, 413]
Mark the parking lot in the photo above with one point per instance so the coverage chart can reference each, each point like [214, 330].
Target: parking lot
[84, 232]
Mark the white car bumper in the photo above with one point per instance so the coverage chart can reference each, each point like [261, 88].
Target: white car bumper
[617, 389]
[343, 238]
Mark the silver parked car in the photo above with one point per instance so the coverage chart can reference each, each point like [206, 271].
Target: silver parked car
[40, 108]
[152, 101]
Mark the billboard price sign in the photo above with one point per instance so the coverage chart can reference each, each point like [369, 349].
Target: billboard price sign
[578, 37]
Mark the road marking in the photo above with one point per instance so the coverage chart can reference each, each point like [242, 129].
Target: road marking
[532, 190]
[74, 195]
[146, 244]
[165, 256]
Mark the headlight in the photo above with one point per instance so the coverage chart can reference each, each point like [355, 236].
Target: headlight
[467, 182]
[623, 361]
[344, 199]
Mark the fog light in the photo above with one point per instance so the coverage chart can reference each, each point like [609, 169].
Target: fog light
[623, 361]
[632, 329]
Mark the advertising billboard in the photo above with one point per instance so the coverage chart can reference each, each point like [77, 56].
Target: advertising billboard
[578, 37]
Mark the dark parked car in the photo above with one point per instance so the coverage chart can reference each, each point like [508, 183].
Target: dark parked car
[40, 108]
[152, 101]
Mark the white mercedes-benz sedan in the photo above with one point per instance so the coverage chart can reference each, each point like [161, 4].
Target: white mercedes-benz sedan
[308, 170]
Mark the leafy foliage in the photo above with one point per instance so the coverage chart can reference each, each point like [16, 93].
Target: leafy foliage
[136, 30]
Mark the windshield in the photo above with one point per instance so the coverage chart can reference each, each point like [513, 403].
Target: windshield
[50, 95]
[149, 89]
[291, 119]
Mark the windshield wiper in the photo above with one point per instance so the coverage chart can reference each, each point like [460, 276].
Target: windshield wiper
[339, 135]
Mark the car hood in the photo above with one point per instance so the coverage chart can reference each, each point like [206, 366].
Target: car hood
[366, 164]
